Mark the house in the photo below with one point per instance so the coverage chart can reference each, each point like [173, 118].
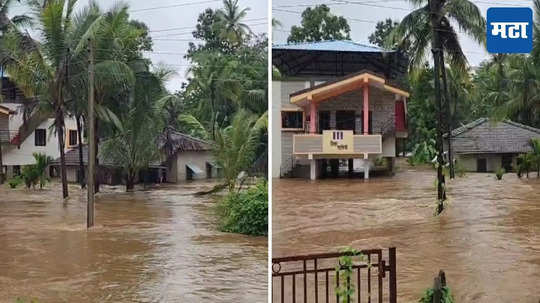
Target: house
[186, 157]
[27, 130]
[108, 173]
[338, 106]
[485, 146]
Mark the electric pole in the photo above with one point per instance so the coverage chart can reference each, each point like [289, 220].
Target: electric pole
[91, 136]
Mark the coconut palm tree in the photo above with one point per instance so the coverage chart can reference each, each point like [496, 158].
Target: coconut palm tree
[232, 27]
[430, 26]
[535, 155]
[211, 79]
[42, 71]
[235, 145]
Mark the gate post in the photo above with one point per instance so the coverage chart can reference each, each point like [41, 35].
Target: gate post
[393, 274]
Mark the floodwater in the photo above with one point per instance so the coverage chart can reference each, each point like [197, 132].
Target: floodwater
[160, 245]
[487, 240]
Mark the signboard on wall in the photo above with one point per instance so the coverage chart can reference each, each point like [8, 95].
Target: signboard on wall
[338, 141]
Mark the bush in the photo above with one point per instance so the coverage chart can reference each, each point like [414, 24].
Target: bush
[446, 296]
[245, 212]
[499, 173]
[14, 182]
[460, 169]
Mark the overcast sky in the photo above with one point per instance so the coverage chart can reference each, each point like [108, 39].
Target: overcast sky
[363, 15]
[171, 23]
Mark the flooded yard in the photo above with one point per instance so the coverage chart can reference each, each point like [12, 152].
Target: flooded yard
[487, 241]
[160, 245]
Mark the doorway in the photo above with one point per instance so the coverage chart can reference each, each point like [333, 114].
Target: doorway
[345, 120]
[481, 165]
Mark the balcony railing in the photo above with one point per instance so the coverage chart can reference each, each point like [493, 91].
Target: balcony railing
[337, 142]
[9, 137]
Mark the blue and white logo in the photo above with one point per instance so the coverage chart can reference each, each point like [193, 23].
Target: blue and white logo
[509, 30]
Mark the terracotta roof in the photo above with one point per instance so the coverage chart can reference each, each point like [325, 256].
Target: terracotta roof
[174, 141]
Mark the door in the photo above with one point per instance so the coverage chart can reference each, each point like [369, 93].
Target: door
[506, 162]
[345, 120]
[481, 165]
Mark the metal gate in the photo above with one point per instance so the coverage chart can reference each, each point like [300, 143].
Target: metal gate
[313, 278]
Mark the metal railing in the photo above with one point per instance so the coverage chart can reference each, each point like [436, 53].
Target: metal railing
[314, 278]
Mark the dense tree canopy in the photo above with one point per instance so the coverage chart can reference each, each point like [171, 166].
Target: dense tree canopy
[318, 24]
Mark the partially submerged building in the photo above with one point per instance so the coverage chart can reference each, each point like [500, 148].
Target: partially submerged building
[485, 146]
[337, 106]
[186, 157]
[25, 130]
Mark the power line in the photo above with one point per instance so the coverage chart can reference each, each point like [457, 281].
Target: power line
[174, 5]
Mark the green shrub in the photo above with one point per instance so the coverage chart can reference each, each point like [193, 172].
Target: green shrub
[446, 296]
[15, 181]
[245, 212]
[499, 173]
[460, 169]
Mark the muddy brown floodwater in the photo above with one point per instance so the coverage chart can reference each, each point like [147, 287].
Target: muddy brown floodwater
[160, 245]
[487, 241]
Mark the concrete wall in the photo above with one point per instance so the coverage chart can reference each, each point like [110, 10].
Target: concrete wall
[199, 159]
[22, 155]
[493, 161]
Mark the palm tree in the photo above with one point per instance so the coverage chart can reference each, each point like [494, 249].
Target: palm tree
[42, 71]
[430, 27]
[235, 145]
[232, 27]
[212, 79]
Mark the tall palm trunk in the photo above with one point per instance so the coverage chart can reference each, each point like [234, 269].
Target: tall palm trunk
[212, 97]
[448, 116]
[96, 141]
[1, 165]
[82, 178]
[61, 146]
[435, 10]
[7, 131]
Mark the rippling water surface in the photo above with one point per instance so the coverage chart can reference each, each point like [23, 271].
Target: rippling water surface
[487, 241]
[159, 245]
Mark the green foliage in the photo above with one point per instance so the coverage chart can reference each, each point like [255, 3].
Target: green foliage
[446, 296]
[235, 146]
[15, 181]
[460, 169]
[245, 212]
[423, 152]
[36, 173]
[318, 24]
[499, 173]
[345, 270]
[382, 32]
[380, 161]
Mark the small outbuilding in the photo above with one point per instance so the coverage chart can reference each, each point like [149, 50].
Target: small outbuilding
[187, 157]
[485, 146]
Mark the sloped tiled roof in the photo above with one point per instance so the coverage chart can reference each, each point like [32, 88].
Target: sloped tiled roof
[485, 136]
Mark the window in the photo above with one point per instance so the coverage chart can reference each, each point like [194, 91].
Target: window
[40, 137]
[292, 120]
[17, 170]
[72, 137]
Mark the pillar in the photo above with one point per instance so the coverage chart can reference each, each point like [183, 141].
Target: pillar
[313, 169]
[366, 108]
[312, 116]
[366, 167]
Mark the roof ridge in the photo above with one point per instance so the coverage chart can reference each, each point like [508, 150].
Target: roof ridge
[527, 127]
[332, 40]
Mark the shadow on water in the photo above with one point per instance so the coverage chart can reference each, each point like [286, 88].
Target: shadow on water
[159, 245]
[487, 240]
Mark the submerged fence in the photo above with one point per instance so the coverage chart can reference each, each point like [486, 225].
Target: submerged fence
[313, 278]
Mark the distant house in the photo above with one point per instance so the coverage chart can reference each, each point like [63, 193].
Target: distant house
[25, 130]
[108, 173]
[485, 146]
[187, 158]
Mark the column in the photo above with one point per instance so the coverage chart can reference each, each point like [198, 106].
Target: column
[366, 108]
[313, 169]
[312, 116]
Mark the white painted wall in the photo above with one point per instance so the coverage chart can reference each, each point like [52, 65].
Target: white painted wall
[276, 128]
[199, 159]
[22, 154]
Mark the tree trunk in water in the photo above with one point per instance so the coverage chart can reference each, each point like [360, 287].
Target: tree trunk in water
[97, 179]
[435, 9]
[81, 160]
[60, 134]
[448, 116]
[130, 183]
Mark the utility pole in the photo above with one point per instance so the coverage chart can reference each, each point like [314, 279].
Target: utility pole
[435, 12]
[448, 117]
[91, 136]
